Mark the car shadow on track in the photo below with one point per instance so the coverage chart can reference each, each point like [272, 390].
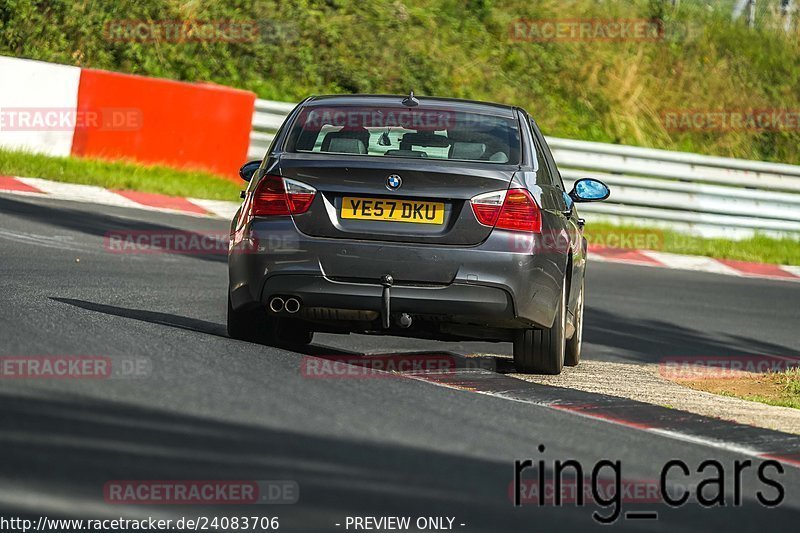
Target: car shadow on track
[67, 447]
[651, 341]
[647, 341]
[400, 360]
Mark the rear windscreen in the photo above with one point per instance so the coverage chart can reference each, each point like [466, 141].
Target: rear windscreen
[406, 132]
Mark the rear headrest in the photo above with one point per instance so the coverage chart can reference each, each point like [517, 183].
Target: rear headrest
[345, 145]
[499, 157]
[423, 139]
[357, 134]
[465, 150]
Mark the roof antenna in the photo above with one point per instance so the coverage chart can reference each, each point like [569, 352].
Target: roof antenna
[410, 100]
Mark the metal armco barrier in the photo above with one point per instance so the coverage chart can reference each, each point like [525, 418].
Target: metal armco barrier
[699, 194]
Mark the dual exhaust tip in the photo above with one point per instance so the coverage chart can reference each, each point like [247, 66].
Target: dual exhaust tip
[291, 305]
[278, 304]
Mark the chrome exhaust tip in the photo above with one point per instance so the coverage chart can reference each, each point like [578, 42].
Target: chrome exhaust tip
[292, 305]
[276, 304]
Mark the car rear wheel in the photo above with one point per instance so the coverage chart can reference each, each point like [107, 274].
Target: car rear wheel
[293, 333]
[252, 325]
[541, 351]
[256, 325]
[572, 355]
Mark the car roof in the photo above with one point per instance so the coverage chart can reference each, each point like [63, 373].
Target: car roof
[395, 100]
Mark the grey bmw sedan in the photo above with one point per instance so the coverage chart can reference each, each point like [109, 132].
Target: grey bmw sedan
[426, 217]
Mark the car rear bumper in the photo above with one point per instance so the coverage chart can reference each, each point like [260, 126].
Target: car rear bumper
[460, 302]
[490, 284]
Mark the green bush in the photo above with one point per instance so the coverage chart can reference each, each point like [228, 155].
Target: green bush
[595, 90]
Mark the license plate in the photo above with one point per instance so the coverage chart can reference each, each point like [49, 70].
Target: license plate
[393, 210]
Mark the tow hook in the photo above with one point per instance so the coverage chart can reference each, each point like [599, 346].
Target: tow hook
[386, 307]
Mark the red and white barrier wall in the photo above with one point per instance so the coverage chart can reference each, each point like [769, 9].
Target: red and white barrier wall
[62, 110]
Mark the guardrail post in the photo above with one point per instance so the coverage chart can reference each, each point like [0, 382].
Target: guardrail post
[751, 13]
[787, 6]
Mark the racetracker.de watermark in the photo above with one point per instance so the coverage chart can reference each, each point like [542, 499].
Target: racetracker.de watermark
[769, 119]
[423, 119]
[182, 242]
[589, 29]
[91, 367]
[70, 119]
[559, 241]
[168, 241]
[701, 367]
[590, 491]
[387, 365]
[182, 31]
[201, 492]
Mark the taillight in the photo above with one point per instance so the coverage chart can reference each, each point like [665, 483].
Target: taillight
[299, 195]
[278, 196]
[487, 207]
[514, 209]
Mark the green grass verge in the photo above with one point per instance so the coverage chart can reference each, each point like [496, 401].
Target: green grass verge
[772, 388]
[758, 249]
[786, 393]
[119, 175]
[608, 91]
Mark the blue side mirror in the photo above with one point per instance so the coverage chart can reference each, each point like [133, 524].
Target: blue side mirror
[249, 169]
[589, 190]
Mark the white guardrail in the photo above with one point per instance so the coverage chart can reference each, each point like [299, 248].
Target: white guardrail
[691, 193]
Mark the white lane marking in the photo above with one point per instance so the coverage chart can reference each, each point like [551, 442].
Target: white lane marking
[219, 208]
[714, 443]
[57, 242]
[78, 192]
[691, 262]
[90, 194]
[676, 435]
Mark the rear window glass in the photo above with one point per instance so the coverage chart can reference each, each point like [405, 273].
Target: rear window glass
[406, 132]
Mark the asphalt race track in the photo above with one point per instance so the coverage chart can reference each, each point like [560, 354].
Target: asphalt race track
[213, 408]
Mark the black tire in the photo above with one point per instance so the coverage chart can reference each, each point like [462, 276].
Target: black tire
[541, 351]
[293, 333]
[256, 325]
[253, 325]
[572, 354]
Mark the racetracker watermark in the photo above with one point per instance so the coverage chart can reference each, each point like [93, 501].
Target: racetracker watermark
[171, 241]
[201, 492]
[74, 367]
[316, 118]
[599, 491]
[700, 367]
[558, 241]
[591, 29]
[387, 365]
[198, 243]
[182, 31]
[70, 119]
[721, 120]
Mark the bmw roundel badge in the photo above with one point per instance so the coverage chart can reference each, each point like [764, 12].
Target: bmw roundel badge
[394, 182]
